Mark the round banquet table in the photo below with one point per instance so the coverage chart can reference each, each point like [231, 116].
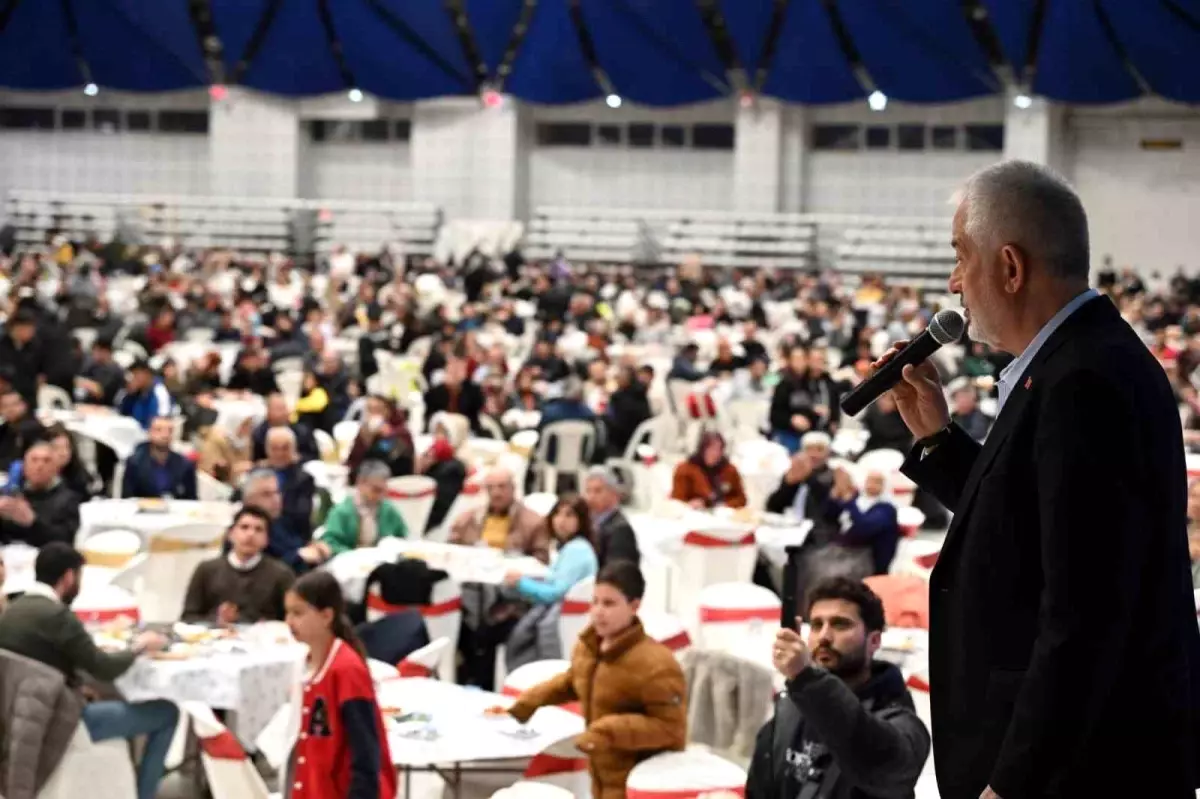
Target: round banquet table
[127, 514]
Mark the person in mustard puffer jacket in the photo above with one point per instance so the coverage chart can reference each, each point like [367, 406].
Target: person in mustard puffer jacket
[629, 686]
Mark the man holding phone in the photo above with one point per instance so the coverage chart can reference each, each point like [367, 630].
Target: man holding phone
[844, 727]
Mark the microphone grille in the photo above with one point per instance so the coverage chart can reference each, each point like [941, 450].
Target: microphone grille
[947, 326]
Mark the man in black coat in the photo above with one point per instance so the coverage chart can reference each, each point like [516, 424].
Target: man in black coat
[1063, 640]
[612, 533]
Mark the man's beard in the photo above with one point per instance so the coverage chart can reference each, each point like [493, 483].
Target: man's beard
[70, 596]
[845, 664]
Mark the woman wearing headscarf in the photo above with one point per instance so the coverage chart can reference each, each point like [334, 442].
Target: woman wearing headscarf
[441, 462]
[382, 436]
[868, 519]
[227, 450]
[708, 480]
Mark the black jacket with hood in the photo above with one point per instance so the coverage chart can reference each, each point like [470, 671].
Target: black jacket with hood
[829, 741]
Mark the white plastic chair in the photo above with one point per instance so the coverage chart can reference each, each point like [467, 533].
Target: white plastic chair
[112, 549]
[667, 629]
[889, 462]
[471, 498]
[575, 613]
[413, 496]
[210, 489]
[53, 398]
[95, 769]
[684, 775]
[428, 661]
[574, 443]
[633, 467]
[717, 554]
[540, 502]
[736, 617]
[443, 616]
[533, 790]
[344, 434]
[291, 384]
[491, 427]
[161, 577]
[326, 446]
[536, 673]
[101, 604]
[230, 773]
[381, 671]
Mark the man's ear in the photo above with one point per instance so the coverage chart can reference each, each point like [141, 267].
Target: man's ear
[874, 641]
[1015, 263]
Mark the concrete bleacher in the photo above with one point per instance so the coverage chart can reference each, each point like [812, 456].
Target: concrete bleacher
[916, 252]
[367, 226]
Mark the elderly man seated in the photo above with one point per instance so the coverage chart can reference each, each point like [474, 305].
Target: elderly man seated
[154, 470]
[43, 508]
[613, 536]
[242, 586]
[296, 485]
[365, 516]
[293, 547]
[279, 415]
[504, 523]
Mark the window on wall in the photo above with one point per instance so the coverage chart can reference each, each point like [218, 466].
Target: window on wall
[402, 129]
[641, 134]
[376, 130]
[73, 119]
[984, 137]
[835, 137]
[712, 137]
[564, 134]
[673, 136]
[27, 118]
[608, 135]
[879, 138]
[195, 122]
[138, 121]
[943, 137]
[910, 137]
[106, 120]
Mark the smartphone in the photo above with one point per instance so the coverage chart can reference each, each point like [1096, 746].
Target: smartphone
[789, 609]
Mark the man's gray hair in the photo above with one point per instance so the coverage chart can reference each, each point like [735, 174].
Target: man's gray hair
[257, 475]
[282, 432]
[371, 470]
[1032, 206]
[604, 475]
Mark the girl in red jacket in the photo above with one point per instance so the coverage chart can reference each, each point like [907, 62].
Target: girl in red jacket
[342, 751]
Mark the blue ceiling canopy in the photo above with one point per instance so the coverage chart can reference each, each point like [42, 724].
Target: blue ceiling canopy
[809, 64]
[920, 51]
[125, 44]
[653, 52]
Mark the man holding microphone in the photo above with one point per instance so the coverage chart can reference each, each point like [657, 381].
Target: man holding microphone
[1063, 643]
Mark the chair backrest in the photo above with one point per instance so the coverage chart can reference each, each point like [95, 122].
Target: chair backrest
[413, 496]
[443, 616]
[344, 434]
[533, 790]
[174, 555]
[668, 630]
[491, 427]
[354, 413]
[101, 604]
[290, 383]
[230, 773]
[53, 397]
[540, 502]
[711, 555]
[326, 446]
[293, 364]
[427, 661]
[381, 671]
[111, 549]
[525, 677]
[575, 441]
[575, 612]
[736, 616]
[210, 489]
[684, 775]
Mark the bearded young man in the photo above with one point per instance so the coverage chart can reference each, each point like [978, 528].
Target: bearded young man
[845, 727]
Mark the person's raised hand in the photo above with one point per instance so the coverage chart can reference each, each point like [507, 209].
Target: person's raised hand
[919, 396]
[789, 655]
[227, 613]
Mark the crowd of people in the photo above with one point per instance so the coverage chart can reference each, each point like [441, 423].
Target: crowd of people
[792, 343]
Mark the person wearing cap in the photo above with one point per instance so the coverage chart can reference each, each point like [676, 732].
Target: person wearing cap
[145, 397]
[101, 378]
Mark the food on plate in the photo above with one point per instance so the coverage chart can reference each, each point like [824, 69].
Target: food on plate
[495, 710]
[174, 653]
[152, 505]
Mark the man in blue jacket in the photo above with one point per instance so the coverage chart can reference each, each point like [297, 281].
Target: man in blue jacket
[154, 470]
[145, 398]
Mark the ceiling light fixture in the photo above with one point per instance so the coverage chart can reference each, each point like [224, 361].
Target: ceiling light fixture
[1023, 101]
[355, 95]
[91, 90]
[613, 100]
[877, 101]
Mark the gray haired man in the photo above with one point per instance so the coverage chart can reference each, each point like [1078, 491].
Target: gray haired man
[614, 536]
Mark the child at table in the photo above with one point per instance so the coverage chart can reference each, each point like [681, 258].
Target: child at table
[342, 752]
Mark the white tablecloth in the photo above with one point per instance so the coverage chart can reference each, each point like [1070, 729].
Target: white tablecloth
[252, 685]
[463, 564]
[460, 730]
[124, 514]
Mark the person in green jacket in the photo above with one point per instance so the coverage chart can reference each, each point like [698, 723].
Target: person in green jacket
[364, 517]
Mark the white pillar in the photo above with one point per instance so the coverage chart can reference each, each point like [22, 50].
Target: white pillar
[255, 145]
[757, 157]
[1034, 133]
[470, 160]
[792, 161]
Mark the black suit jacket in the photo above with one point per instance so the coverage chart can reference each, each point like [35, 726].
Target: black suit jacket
[1062, 629]
[615, 540]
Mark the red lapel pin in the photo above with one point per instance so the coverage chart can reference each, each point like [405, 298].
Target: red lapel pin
[1028, 383]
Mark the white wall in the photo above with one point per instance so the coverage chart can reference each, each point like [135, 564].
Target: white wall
[90, 161]
[889, 182]
[627, 177]
[358, 171]
[1143, 205]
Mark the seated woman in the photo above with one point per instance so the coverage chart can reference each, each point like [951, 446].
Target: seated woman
[226, 451]
[708, 480]
[313, 409]
[869, 524]
[72, 470]
[365, 516]
[534, 635]
[450, 432]
[382, 436]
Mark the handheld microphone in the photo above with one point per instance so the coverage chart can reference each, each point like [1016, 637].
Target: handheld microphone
[945, 327]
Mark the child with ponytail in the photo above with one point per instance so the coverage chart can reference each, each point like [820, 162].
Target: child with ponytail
[342, 751]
